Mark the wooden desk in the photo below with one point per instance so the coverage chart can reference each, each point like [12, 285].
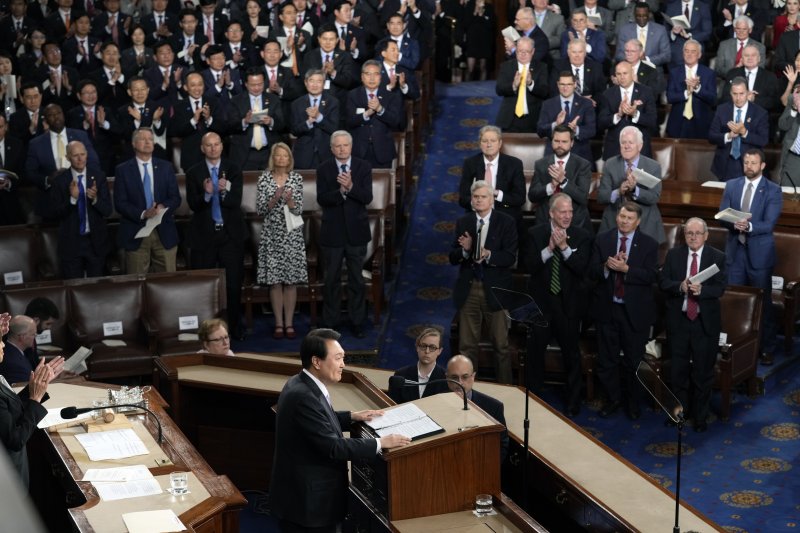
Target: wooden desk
[212, 506]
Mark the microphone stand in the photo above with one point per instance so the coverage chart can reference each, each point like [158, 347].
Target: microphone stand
[72, 412]
[795, 196]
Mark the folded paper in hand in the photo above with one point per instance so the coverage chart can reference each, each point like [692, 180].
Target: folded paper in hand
[151, 224]
[704, 275]
[678, 20]
[731, 215]
[511, 34]
[645, 179]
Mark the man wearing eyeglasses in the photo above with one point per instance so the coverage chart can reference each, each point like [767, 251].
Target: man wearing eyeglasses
[693, 318]
[459, 368]
[429, 348]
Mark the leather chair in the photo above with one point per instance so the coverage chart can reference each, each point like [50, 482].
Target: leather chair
[528, 147]
[19, 252]
[663, 152]
[692, 161]
[96, 301]
[49, 264]
[15, 300]
[786, 299]
[165, 303]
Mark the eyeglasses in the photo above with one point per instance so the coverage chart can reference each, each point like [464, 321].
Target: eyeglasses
[694, 233]
[463, 377]
[226, 338]
[427, 347]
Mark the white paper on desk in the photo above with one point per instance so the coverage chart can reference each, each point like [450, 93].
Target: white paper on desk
[411, 429]
[117, 444]
[45, 337]
[127, 489]
[713, 184]
[706, 274]
[74, 362]
[53, 418]
[789, 190]
[160, 521]
[511, 34]
[645, 178]
[262, 31]
[188, 337]
[122, 473]
[731, 215]
[391, 417]
[151, 224]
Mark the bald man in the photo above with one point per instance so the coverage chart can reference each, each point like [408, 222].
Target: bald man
[14, 366]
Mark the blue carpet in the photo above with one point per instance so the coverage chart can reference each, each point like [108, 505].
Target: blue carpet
[740, 473]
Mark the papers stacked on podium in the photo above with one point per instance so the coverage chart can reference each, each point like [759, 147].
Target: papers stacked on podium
[406, 419]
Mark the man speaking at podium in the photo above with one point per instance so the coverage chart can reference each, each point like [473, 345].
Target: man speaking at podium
[308, 489]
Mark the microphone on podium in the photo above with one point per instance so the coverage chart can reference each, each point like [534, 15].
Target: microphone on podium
[400, 381]
[69, 413]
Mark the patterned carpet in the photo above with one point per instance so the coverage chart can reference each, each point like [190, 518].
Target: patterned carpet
[740, 473]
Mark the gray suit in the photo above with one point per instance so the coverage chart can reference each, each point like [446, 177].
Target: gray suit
[726, 55]
[790, 163]
[553, 26]
[608, 21]
[613, 176]
[657, 47]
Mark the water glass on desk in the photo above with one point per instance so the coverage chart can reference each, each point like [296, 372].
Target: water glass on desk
[483, 504]
[179, 483]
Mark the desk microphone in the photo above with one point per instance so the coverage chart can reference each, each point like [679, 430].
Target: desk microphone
[400, 381]
[69, 413]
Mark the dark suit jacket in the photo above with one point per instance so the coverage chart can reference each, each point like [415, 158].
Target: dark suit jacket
[347, 75]
[493, 408]
[594, 38]
[220, 23]
[314, 139]
[757, 123]
[354, 32]
[149, 25]
[673, 274]
[247, 52]
[534, 97]
[11, 212]
[100, 30]
[409, 50]
[178, 42]
[241, 139]
[127, 125]
[766, 85]
[594, 81]
[587, 125]
[54, 26]
[765, 208]
[225, 94]
[181, 126]
[571, 273]
[15, 367]
[130, 203]
[411, 392]
[788, 46]
[65, 98]
[112, 96]
[292, 87]
[309, 475]
[103, 140]
[71, 52]
[509, 179]
[69, 226]
[501, 240]
[701, 27]
[344, 219]
[378, 129]
[703, 102]
[155, 81]
[411, 81]
[758, 16]
[18, 418]
[579, 179]
[20, 121]
[652, 78]
[201, 229]
[128, 60]
[8, 31]
[609, 105]
[640, 305]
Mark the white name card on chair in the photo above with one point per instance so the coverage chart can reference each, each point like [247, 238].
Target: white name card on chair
[777, 283]
[188, 322]
[45, 337]
[112, 328]
[13, 278]
[723, 338]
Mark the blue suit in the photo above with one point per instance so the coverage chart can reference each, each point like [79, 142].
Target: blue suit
[752, 263]
[409, 50]
[594, 38]
[725, 167]
[587, 125]
[41, 164]
[657, 46]
[703, 102]
[700, 29]
[129, 202]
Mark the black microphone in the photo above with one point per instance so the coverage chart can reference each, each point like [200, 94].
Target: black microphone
[69, 413]
[400, 381]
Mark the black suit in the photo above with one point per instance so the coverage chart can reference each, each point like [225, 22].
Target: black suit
[493, 408]
[193, 61]
[66, 98]
[155, 80]
[13, 154]
[693, 344]
[241, 145]
[507, 120]
[111, 95]
[594, 81]
[190, 134]
[105, 141]
[788, 46]
[509, 179]
[372, 136]
[150, 26]
[81, 253]
[344, 235]
[18, 418]
[578, 174]
[623, 326]
[313, 143]
[411, 392]
[765, 84]
[347, 75]
[9, 32]
[309, 475]
[20, 122]
[100, 29]
[291, 86]
[609, 105]
[562, 310]
[71, 55]
[212, 245]
[54, 26]
[127, 125]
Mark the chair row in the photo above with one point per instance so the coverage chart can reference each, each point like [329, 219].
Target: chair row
[127, 320]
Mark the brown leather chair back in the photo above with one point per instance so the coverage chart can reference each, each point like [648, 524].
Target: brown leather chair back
[741, 309]
[19, 252]
[692, 161]
[183, 210]
[787, 250]
[14, 301]
[526, 146]
[663, 152]
[107, 300]
[309, 190]
[249, 188]
[49, 266]
[166, 299]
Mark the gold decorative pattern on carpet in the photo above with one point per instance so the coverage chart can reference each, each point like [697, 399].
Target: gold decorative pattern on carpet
[782, 432]
[454, 171]
[451, 197]
[473, 122]
[478, 100]
[667, 449]
[437, 259]
[793, 398]
[445, 226]
[766, 465]
[664, 481]
[434, 293]
[746, 499]
[466, 145]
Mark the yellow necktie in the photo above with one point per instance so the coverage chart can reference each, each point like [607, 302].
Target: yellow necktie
[61, 151]
[642, 37]
[519, 110]
[257, 129]
[688, 113]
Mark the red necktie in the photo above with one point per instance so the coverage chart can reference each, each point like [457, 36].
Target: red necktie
[739, 52]
[692, 305]
[487, 176]
[271, 75]
[90, 119]
[619, 280]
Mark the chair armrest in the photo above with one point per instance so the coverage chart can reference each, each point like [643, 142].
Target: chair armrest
[739, 348]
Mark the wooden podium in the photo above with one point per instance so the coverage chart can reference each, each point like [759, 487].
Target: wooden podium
[438, 474]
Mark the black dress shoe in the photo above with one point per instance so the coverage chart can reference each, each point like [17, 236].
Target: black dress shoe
[700, 427]
[766, 359]
[609, 409]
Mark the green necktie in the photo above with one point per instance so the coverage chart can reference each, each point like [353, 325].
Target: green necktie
[555, 272]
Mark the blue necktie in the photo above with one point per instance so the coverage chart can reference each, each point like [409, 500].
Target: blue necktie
[148, 187]
[82, 218]
[344, 169]
[216, 211]
[736, 145]
[566, 107]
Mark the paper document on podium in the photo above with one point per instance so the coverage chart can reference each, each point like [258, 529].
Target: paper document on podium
[731, 215]
[706, 274]
[408, 420]
[644, 178]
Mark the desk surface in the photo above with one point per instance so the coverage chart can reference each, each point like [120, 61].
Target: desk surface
[461, 522]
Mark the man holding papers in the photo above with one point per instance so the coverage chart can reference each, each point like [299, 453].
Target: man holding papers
[308, 489]
[693, 317]
[751, 245]
[629, 177]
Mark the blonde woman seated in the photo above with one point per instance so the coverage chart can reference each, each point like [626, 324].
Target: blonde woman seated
[213, 334]
[281, 253]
